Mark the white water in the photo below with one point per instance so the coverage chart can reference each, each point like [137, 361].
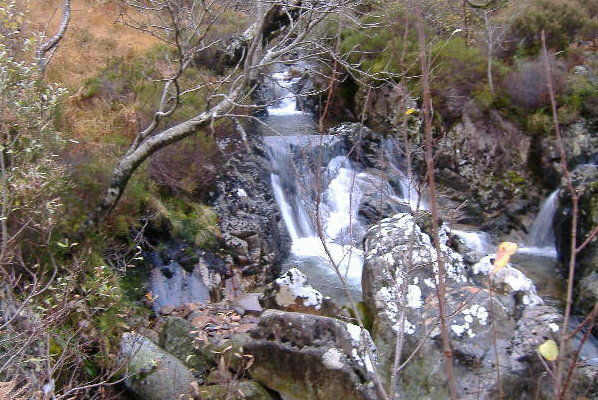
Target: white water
[478, 241]
[293, 178]
[541, 240]
[287, 103]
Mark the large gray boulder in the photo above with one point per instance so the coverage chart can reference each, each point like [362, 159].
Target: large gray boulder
[309, 357]
[399, 284]
[153, 373]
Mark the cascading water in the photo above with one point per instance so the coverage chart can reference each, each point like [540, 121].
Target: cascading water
[318, 192]
[541, 240]
[541, 233]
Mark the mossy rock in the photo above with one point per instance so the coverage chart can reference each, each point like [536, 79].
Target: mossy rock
[245, 390]
[154, 373]
[177, 338]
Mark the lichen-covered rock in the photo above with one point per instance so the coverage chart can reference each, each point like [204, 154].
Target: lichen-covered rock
[292, 292]
[309, 357]
[486, 329]
[155, 374]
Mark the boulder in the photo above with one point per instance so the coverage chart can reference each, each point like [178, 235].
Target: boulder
[177, 338]
[154, 373]
[487, 329]
[309, 357]
[292, 292]
[243, 390]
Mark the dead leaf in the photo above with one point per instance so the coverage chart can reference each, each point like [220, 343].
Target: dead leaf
[503, 255]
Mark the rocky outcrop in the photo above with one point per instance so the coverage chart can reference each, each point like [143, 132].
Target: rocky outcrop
[308, 357]
[153, 373]
[585, 181]
[385, 107]
[399, 285]
[250, 221]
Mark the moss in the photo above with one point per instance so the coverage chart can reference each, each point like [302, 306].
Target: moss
[189, 221]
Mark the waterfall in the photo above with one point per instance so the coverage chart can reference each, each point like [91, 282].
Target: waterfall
[541, 240]
[319, 190]
[541, 233]
[302, 162]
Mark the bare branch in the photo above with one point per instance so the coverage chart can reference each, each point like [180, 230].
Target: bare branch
[46, 50]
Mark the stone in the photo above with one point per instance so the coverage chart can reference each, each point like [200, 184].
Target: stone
[292, 292]
[310, 357]
[155, 373]
[177, 338]
[251, 223]
[238, 390]
[399, 285]
[247, 303]
[585, 181]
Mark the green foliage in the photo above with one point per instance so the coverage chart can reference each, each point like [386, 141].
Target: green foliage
[580, 93]
[561, 19]
[190, 221]
[539, 123]
[381, 50]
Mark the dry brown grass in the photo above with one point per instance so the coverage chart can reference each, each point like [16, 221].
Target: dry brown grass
[92, 38]
[9, 391]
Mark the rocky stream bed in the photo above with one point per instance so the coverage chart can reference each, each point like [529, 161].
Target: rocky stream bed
[271, 321]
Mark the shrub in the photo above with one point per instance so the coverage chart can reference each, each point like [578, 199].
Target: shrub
[527, 84]
[561, 19]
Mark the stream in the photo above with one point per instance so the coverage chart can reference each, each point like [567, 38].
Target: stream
[319, 189]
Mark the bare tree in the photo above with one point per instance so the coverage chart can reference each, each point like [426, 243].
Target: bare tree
[47, 48]
[282, 32]
[493, 33]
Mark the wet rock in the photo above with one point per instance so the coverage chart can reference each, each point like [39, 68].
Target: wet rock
[292, 292]
[308, 357]
[184, 274]
[378, 200]
[157, 375]
[250, 221]
[171, 286]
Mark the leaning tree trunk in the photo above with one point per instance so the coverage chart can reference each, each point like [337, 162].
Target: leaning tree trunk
[138, 153]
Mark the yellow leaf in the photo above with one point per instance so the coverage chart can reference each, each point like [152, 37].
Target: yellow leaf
[410, 111]
[549, 350]
[503, 255]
